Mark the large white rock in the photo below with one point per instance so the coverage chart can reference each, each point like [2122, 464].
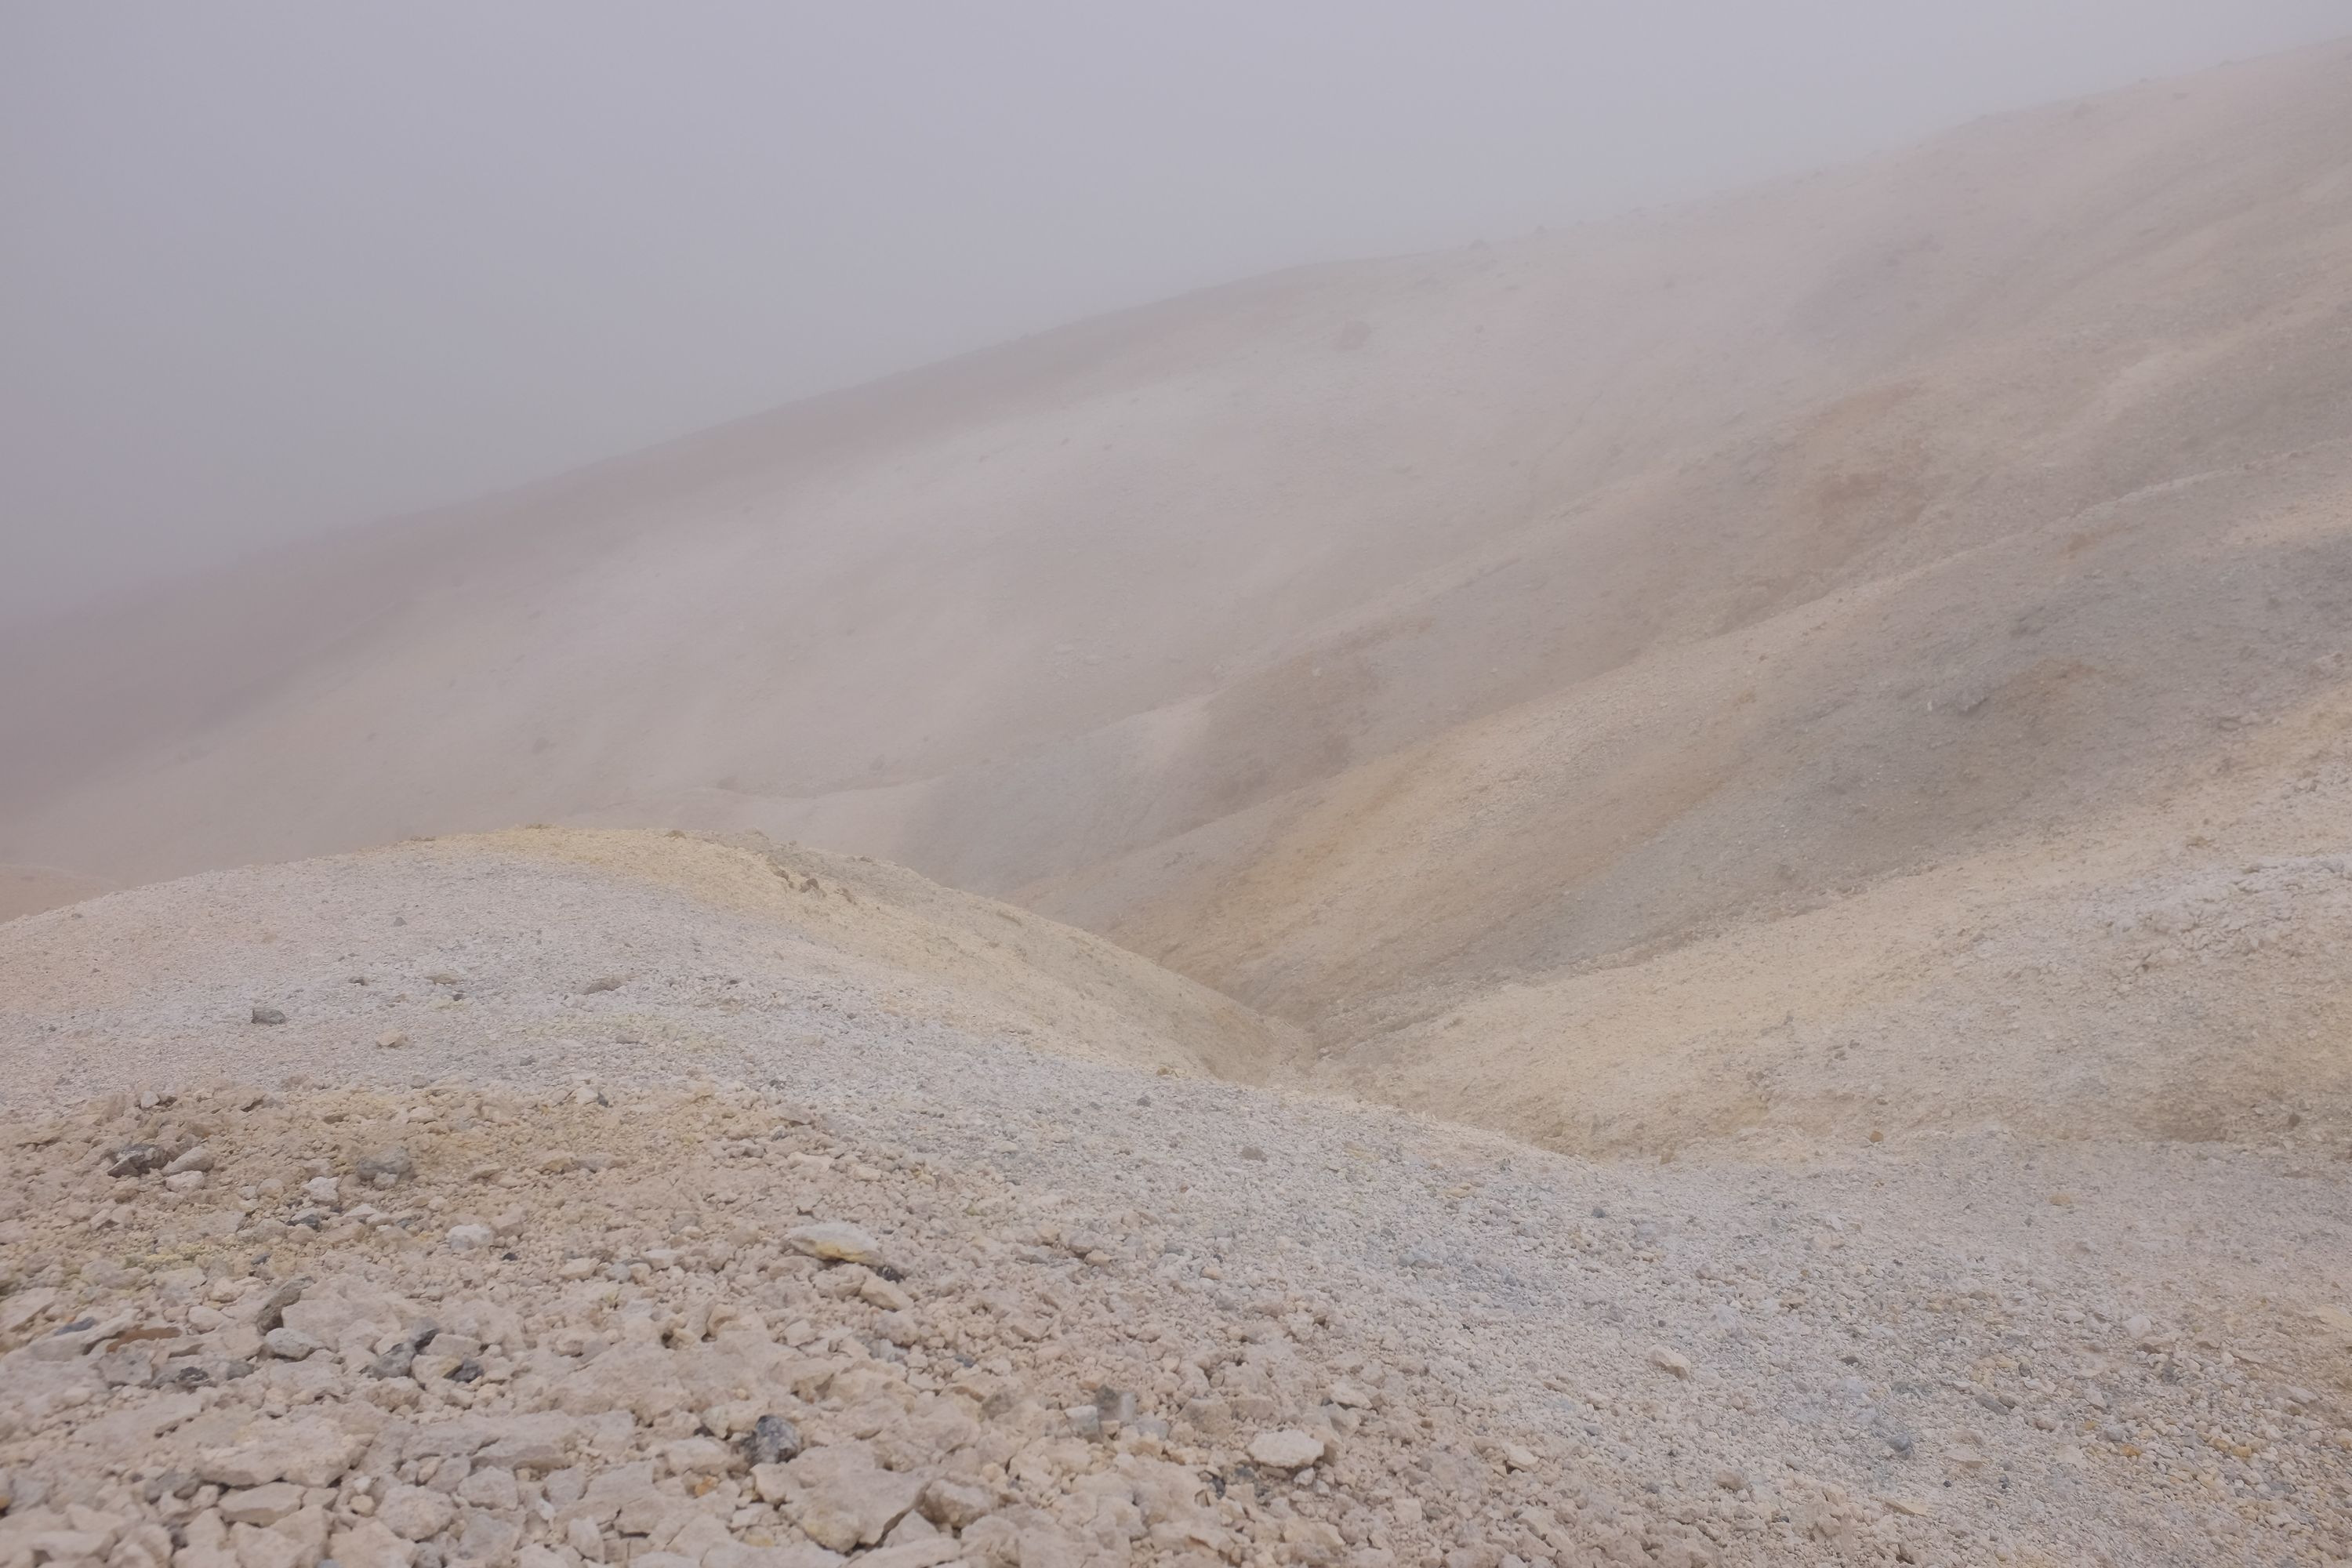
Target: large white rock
[308, 1453]
[835, 1241]
[843, 1500]
[416, 1513]
[368, 1545]
[1288, 1448]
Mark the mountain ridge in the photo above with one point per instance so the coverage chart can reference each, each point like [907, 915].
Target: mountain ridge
[1369, 637]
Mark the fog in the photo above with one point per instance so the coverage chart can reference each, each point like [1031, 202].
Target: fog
[273, 269]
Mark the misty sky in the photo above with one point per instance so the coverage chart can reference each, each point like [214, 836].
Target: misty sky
[267, 269]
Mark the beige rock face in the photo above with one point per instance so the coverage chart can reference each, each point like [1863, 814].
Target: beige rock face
[309, 1453]
[844, 1500]
[1289, 1449]
[835, 1242]
[261, 1505]
[416, 1513]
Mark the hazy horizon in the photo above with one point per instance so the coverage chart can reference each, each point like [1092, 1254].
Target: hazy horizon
[275, 271]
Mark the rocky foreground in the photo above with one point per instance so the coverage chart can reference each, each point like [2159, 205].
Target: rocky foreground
[363, 1209]
[440, 1326]
[252, 1331]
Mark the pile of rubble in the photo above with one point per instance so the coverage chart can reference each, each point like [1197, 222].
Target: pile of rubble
[247, 1330]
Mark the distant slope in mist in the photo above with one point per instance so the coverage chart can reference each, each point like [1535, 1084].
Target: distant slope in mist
[1371, 641]
[23, 890]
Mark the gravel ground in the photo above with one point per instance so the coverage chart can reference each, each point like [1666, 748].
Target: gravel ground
[1976, 1348]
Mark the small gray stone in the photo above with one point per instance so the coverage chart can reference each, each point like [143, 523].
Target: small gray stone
[772, 1440]
[1892, 1431]
[136, 1160]
[394, 1363]
[273, 1309]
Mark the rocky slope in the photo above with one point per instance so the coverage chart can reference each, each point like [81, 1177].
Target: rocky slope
[1596, 686]
[1901, 1345]
[632, 939]
[475, 1335]
[2173, 972]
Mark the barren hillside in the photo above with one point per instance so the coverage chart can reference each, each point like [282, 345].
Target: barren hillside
[1667, 894]
[1784, 595]
[400, 944]
[546, 1200]
[1132, 587]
